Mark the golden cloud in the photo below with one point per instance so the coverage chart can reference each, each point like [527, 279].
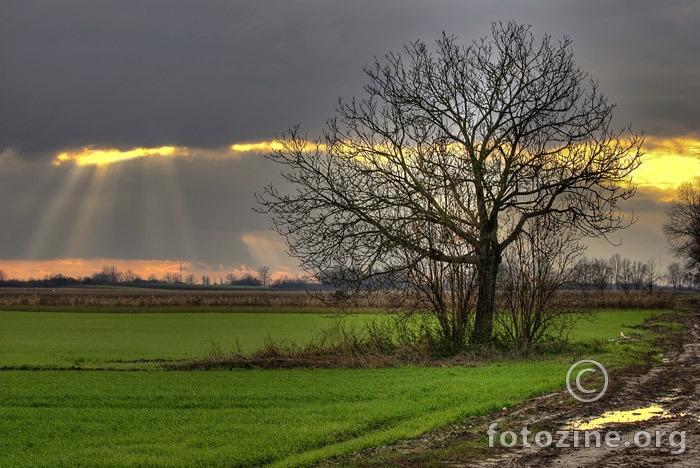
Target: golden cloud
[91, 156]
[99, 157]
[668, 162]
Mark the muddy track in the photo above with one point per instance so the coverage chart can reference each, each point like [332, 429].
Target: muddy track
[674, 385]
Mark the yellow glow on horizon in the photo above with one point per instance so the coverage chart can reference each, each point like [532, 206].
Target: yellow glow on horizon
[260, 147]
[100, 157]
[81, 267]
[267, 146]
[668, 162]
[90, 156]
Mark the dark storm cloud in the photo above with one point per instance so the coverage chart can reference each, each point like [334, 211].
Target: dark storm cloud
[197, 74]
[206, 74]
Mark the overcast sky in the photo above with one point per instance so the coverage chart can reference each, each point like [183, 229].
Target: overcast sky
[204, 75]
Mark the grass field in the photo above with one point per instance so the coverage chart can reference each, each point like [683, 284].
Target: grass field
[241, 418]
[89, 340]
[235, 418]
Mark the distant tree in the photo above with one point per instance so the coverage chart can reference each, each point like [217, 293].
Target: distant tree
[206, 280]
[651, 276]
[264, 275]
[624, 276]
[3, 277]
[601, 274]
[172, 277]
[190, 279]
[682, 228]
[110, 274]
[247, 280]
[231, 278]
[296, 283]
[593, 273]
[614, 264]
[152, 278]
[130, 276]
[674, 275]
[469, 143]
[639, 275]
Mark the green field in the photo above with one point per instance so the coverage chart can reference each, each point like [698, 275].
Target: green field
[232, 418]
[89, 340]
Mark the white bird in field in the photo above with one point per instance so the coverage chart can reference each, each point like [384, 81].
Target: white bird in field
[622, 336]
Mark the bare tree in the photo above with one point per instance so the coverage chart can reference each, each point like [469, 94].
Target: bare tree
[602, 273]
[535, 269]
[614, 263]
[651, 275]
[129, 276]
[467, 142]
[593, 273]
[638, 275]
[206, 279]
[172, 277]
[674, 275]
[230, 278]
[110, 274]
[2, 276]
[683, 226]
[624, 276]
[264, 275]
[190, 279]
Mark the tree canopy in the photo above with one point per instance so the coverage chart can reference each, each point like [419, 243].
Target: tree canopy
[449, 157]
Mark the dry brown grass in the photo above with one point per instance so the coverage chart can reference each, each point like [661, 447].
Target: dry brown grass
[157, 299]
[592, 300]
[85, 299]
[373, 346]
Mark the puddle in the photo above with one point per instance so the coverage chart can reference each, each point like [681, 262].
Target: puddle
[612, 417]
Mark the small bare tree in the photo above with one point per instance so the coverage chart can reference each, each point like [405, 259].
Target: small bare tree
[190, 279]
[172, 277]
[651, 276]
[230, 278]
[624, 275]
[110, 274]
[674, 275]
[682, 228]
[593, 273]
[638, 275]
[470, 143]
[2, 276]
[264, 275]
[536, 267]
[129, 276]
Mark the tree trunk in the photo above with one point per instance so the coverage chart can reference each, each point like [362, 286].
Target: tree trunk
[488, 262]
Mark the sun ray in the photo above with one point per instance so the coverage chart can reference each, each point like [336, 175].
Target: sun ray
[59, 206]
[92, 206]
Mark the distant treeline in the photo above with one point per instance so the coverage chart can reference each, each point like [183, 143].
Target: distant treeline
[111, 276]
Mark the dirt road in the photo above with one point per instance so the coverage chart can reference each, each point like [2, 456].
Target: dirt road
[670, 391]
[673, 386]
